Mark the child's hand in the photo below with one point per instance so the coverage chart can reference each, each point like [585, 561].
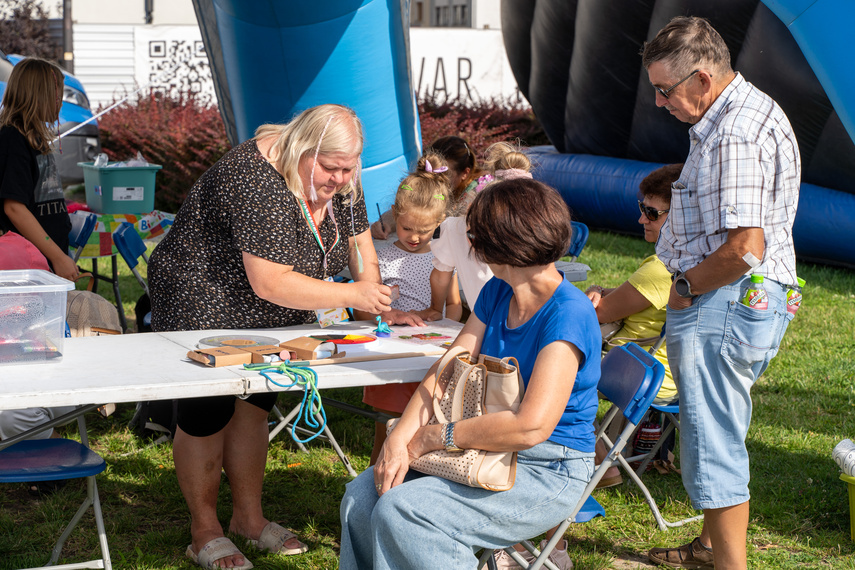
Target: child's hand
[429, 314]
[595, 294]
[396, 317]
[65, 267]
[378, 231]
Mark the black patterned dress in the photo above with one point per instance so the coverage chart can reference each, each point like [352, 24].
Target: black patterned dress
[196, 273]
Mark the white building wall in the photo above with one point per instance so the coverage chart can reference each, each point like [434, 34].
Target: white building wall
[459, 62]
[487, 14]
[164, 12]
[104, 61]
[115, 60]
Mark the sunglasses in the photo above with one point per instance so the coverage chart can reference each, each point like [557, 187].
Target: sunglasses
[666, 92]
[650, 212]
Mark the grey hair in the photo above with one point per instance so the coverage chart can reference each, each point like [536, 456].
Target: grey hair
[687, 43]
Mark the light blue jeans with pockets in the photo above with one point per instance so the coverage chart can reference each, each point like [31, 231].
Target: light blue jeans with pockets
[429, 522]
[717, 349]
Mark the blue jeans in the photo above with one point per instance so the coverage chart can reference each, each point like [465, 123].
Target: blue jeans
[429, 522]
[717, 349]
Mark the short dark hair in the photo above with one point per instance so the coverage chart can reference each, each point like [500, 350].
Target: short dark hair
[658, 183]
[519, 222]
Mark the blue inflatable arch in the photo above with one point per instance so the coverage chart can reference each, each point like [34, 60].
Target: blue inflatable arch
[272, 59]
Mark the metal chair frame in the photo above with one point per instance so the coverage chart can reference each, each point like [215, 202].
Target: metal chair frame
[70, 460]
[630, 379]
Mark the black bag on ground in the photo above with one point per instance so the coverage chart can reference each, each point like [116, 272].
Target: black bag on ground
[142, 311]
[155, 417]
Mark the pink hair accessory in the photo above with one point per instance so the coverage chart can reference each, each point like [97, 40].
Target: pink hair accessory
[512, 174]
[429, 168]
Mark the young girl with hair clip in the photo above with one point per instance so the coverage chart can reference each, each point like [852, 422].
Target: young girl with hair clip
[33, 204]
[463, 173]
[420, 205]
[452, 249]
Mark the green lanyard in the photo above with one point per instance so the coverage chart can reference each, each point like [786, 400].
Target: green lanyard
[314, 228]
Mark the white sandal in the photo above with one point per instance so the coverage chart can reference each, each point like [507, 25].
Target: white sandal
[215, 550]
[273, 538]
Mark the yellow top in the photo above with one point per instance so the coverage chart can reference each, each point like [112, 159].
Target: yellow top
[653, 281]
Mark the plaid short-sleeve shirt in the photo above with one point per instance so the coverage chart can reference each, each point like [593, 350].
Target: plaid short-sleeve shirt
[743, 170]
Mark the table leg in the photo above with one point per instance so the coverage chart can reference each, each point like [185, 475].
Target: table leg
[119, 306]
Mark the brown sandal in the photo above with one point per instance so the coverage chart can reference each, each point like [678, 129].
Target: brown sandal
[692, 555]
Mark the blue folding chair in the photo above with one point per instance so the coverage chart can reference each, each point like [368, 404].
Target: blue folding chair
[580, 238]
[131, 247]
[630, 380]
[56, 459]
[82, 226]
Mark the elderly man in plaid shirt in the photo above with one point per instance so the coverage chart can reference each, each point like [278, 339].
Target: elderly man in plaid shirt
[732, 213]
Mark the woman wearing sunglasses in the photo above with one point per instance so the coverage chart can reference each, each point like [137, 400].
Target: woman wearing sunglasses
[640, 300]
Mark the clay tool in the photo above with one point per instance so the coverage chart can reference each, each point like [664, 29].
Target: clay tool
[379, 213]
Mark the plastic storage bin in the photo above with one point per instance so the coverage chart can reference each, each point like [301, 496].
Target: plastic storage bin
[119, 189]
[32, 316]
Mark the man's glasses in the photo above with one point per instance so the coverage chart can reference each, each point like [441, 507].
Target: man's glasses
[666, 92]
[650, 212]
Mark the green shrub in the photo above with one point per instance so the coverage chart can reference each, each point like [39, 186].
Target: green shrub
[186, 138]
[480, 123]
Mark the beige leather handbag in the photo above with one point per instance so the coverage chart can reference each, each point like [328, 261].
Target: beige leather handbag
[467, 389]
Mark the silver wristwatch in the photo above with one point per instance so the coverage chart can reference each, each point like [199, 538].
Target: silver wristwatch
[448, 437]
[682, 286]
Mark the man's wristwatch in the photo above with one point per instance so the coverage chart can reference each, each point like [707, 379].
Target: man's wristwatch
[682, 286]
[448, 437]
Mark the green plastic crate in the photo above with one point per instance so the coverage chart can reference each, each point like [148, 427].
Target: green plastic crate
[119, 189]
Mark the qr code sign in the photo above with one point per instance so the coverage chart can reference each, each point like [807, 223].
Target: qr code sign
[175, 63]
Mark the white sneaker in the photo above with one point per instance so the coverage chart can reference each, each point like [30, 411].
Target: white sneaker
[558, 557]
[844, 455]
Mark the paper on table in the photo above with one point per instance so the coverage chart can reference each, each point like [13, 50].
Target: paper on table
[437, 333]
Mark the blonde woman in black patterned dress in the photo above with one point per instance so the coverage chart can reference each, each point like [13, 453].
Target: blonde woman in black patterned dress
[251, 247]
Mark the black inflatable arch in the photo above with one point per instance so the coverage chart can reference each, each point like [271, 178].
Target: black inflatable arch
[578, 64]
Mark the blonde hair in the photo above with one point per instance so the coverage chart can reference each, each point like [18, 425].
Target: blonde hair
[322, 130]
[424, 193]
[30, 101]
[505, 156]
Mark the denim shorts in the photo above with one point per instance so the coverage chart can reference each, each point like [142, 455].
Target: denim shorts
[717, 348]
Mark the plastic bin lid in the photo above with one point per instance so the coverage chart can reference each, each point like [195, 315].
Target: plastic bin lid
[32, 281]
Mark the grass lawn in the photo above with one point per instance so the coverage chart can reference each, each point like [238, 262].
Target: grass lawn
[803, 406]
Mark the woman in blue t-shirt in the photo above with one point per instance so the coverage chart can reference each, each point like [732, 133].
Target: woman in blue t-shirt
[393, 517]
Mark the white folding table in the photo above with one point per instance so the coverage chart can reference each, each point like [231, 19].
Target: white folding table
[154, 366]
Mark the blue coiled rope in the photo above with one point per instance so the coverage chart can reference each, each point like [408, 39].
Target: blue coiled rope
[310, 405]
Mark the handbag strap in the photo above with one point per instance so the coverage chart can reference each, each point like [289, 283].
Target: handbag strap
[446, 360]
[460, 391]
[507, 360]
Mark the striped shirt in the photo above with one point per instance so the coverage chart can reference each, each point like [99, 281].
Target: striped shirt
[743, 171]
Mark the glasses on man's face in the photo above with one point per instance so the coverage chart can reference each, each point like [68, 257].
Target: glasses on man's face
[666, 92]
[650, 212]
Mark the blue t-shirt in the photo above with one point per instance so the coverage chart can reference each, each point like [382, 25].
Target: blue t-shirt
[568, 315]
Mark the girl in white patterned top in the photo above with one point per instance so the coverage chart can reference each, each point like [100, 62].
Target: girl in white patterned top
[420, 206]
